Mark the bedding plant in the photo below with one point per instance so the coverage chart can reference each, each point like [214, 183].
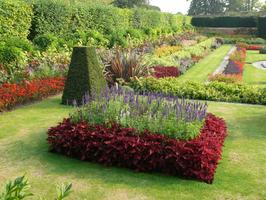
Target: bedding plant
[12, 95]
[168, 115]
[149, 133]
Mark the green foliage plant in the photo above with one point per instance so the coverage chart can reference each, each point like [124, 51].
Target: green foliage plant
[19, 190]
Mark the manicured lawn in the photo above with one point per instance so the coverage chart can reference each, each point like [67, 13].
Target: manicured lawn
[206, 66]
[252, 75]
[23, 149]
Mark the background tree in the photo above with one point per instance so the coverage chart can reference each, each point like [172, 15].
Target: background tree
[207, 7]
[130, 3]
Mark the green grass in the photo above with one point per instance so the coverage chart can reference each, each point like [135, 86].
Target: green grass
[201, 71]
[23, 149]
[251, 74]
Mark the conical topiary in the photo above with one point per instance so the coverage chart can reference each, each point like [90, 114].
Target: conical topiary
[85, 76]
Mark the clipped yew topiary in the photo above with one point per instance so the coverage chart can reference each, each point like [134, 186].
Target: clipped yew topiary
[84, 76]
[263, 50]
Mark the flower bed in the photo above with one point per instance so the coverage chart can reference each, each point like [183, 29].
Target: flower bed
[15, 94]
[236, 62]
[148, 152]
[254, 47]
[163, 72]
[226, 78]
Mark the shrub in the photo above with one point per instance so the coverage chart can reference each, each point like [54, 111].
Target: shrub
[235, 40]
[152, 60]
[11, 55]
[46, 41]
[166, 50]
[153, 112]
[148, 152]
[226, 78]
[20, 43]
[213, 91]
[84, 75]
[12, 95]
[224, 21]
[263, 50]
[124, 64]
[163, 72]
[15, 18]
[262, 27]
[19, 189]
[114, 24]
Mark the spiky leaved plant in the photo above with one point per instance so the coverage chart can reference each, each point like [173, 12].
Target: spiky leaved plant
[124, 64]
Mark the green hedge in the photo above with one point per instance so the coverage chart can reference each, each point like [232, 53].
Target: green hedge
[262, 27]
[72, 21]
[214, 91]
[224, 21]
[15, 18]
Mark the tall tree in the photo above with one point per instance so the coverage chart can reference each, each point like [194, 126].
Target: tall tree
[234, 5]
[241, 5]
[130, 3]
[207, 7]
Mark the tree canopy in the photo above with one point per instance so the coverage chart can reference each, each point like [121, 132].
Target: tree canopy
[216, 7]
[130, 3]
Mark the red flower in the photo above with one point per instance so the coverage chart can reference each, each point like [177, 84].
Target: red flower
[15, 94]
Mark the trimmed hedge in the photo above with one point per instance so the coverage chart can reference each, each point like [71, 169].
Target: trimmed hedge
[85, 76]
[61, 18]
[224, 21]
[15, 18]
[213, 91]
[262, 27]
[116, 146]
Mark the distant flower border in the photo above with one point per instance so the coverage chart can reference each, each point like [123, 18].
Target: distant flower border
[12, 95]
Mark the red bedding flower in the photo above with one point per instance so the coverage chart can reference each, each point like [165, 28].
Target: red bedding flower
[254, 47]
[16, 94]
[148, 152]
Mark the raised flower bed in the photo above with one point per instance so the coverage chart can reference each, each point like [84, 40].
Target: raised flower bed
[150, 133]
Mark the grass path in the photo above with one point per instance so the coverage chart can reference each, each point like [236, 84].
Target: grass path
[206, 66]
[251, 74]
[23, 149]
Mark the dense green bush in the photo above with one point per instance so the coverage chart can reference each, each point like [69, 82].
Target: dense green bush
[224, 21]
[214, 91]
[85, 76]
[46, 41]
[113, 25]
[235, 40]
[263, 50]
[262, 27]
[15, 18]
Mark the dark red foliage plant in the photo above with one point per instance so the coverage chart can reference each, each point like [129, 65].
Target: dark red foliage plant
[163, 72]
[146, 152]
